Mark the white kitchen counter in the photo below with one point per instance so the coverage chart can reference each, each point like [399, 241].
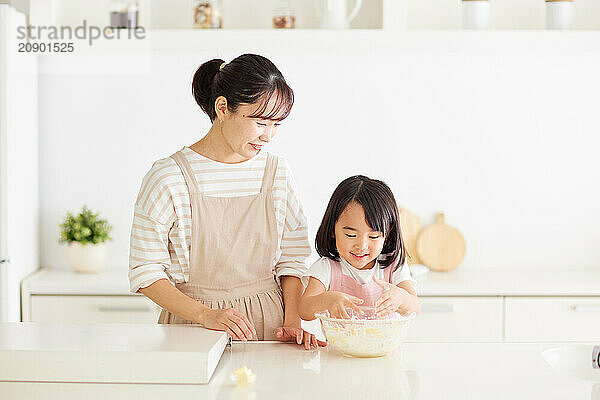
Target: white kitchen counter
[67, 282]
[460, 282]
[419, 371]
[511, 282]
[512, 305]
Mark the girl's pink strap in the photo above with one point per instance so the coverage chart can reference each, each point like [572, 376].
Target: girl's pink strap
[336, 271]
[389, 272]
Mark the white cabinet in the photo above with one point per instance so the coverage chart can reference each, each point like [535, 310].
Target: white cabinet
[552, 319]
[504, 14]
[455, 319]
[64, 296]
[84, 309]
[459, 306]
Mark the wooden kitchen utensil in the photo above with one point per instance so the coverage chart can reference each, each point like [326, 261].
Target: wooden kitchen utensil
[441, 247]
[410, 226]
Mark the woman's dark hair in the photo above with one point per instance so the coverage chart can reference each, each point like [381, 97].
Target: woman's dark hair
[381, 213]
[247, 79]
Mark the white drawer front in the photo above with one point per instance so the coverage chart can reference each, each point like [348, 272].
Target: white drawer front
[552, 319]
[455, 319]
[109, 309]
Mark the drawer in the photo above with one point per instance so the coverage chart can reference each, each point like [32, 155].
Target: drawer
[552, 319]
[110, 309]
[456, 319]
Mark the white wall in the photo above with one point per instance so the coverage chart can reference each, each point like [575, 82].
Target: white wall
[504, 143]
[19, 191]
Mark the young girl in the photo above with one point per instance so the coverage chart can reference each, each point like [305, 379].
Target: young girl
[358, 237]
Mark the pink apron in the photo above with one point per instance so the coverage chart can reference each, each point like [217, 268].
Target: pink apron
[369, 291]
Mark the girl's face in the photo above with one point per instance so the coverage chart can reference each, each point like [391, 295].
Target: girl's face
[356, 242]
[246, 136]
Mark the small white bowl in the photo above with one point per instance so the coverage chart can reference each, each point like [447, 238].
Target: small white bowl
[574, 361]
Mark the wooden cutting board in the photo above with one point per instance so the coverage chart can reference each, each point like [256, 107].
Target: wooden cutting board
[441, 247]
[410, 226]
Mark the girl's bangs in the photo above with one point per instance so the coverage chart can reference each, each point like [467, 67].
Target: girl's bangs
[377, 221]
[282, 105]
[377, 213]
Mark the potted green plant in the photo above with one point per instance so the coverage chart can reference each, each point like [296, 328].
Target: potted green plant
[85, 233]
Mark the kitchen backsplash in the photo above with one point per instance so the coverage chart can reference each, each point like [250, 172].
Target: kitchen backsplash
[500, 143]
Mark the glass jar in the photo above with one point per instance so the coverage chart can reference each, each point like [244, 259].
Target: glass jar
[284, 16]
[207, 14]
[559, 14]
[476, 14]
[123, 14]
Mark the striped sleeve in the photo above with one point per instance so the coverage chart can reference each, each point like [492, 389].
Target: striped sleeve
[295, 248]
[148, 250]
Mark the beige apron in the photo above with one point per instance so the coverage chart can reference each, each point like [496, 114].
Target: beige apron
[234, 242]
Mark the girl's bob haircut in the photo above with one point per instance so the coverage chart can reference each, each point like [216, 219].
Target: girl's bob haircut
[381, 213]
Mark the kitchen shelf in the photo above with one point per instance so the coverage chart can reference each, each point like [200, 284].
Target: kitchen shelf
[160, 14]
[374, 14]
[504, 14]
[356, 41]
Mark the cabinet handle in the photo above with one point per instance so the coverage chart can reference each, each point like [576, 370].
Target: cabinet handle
[437, 308]
[126, 308]
[586, 307]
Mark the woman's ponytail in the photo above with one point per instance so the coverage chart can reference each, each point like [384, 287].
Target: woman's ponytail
[247, 79]
[203, 86]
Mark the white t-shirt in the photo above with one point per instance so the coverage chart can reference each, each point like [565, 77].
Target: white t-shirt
[321, 270]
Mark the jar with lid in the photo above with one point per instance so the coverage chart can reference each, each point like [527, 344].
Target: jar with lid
[476, 14]
[284, 16]
[123, 14]
[559, 14]
[207, 14]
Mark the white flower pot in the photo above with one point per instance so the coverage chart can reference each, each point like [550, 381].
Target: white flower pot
[476, 14]
[88, 258]
[559, 14]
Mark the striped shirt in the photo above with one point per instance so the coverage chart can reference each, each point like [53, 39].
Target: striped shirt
[162, 224]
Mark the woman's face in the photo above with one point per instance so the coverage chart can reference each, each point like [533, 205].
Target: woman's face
[356, 242]
[246, 136]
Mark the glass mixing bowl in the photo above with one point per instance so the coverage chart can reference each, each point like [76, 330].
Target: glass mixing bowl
[365, 335]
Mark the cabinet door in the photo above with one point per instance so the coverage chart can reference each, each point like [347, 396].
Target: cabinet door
[456, 319]
[552, 319]
[110, 309]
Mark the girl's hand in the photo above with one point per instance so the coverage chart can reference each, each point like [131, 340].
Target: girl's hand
[337, 302]
[231, 321]
[392, 299]
[298, 335]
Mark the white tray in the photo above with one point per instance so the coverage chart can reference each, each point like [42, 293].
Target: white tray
[131, 353]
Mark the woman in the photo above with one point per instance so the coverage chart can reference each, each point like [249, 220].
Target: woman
[219, 237]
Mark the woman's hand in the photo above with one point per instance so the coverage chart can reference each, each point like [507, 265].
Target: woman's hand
[337, 302]
[231, 321]
[298, 335]
[393, 299]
